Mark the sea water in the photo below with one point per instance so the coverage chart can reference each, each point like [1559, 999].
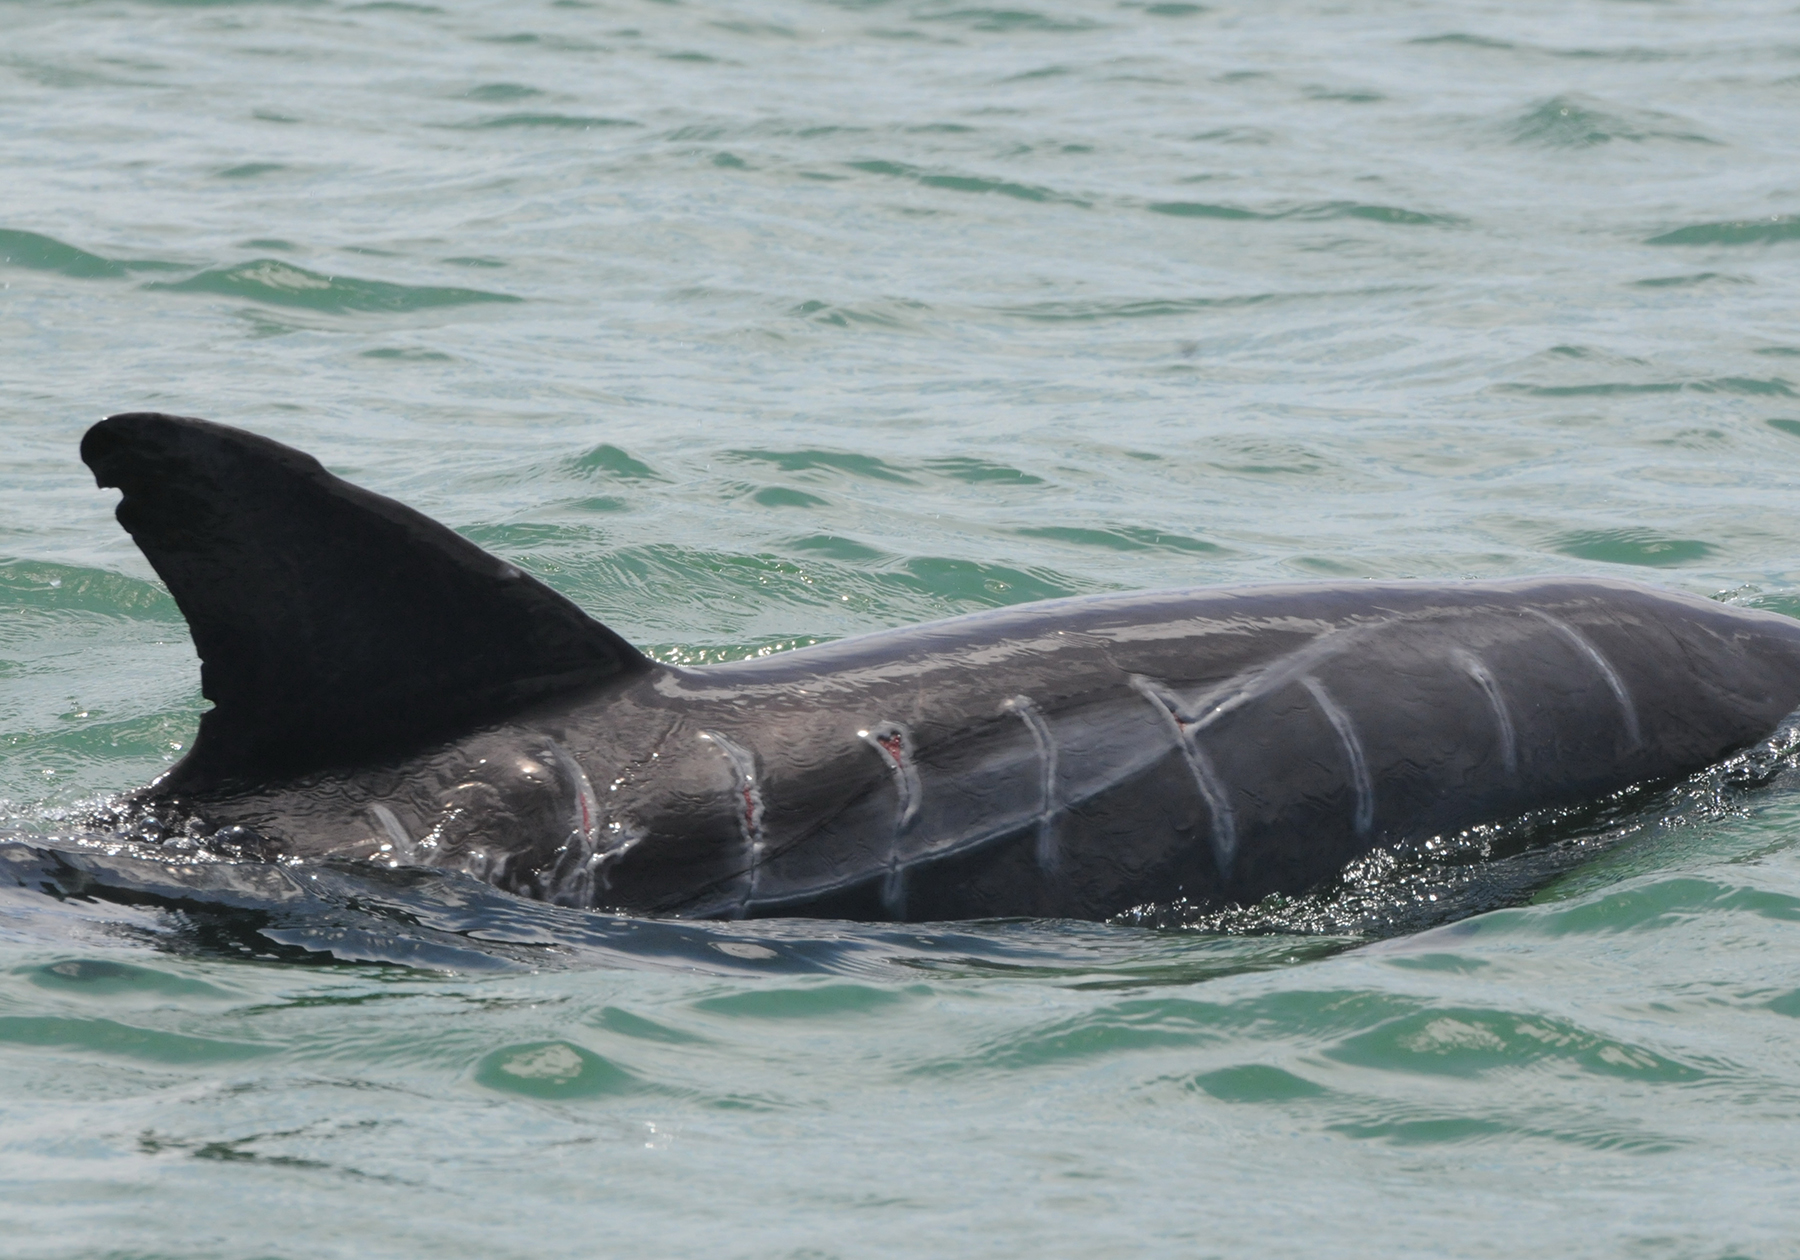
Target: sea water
[753, 324]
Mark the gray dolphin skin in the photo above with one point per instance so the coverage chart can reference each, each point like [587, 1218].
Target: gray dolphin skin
[385, 690]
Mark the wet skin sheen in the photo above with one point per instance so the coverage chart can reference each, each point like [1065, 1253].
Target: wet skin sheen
[393, 693]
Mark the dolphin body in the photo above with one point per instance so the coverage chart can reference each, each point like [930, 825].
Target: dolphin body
[383, 689]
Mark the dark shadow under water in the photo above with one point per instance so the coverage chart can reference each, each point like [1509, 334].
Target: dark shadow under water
[71, 888]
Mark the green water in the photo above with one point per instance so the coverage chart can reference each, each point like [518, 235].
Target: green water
[749, 325]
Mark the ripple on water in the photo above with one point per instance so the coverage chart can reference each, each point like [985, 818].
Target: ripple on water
[1123, 538]
[1763, 387]
[1631, 546]
[965, 183]
[1401, 1123]
[1007, 21]
[496, 93]
[553, 1070]
[1773, 229]
[1160, 1023]
[1256, 1083]
[37, 252]
[812, 1002]
[562, 122]
[1470, 1042]
[110, 979]
[1309, 212]
[112, 1038]
[280, 283]
[31, 584]
[1572, 121]
[1647, 905]
[893, 315]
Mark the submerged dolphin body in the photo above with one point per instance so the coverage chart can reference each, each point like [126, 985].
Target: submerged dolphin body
[384, 689]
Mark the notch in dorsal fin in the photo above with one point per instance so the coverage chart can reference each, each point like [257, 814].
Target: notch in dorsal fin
[333, 625]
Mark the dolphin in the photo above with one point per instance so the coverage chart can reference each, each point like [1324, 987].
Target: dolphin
[384, 690]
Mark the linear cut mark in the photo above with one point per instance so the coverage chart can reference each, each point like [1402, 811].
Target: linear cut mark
[1254, 683]
[1509, 741]
[895, 744]
[1028, 713]
[572, 880]
[1353, 750]
[750, 806]
[1224, 829]
[404, 850]
[1587, 649]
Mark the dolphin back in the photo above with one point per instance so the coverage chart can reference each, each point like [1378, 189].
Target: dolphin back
[332, 624]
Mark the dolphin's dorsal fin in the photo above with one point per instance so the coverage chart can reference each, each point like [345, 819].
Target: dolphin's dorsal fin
[333, 625]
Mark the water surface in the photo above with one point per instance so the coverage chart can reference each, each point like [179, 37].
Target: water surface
[753, 325]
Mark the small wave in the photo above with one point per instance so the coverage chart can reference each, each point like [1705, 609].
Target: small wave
[278, 283]
[250, 170]
[1256, 1083]
[754, 29]
[1142, 308]
[1468, 1042]
[554, 43]
[786, 497]
[570, 122]
[37, 584]
[980, 471]
[836, 547]
[971, 583]
[1171, 1022]
[1011, 20]
[497, 93]
[1123, 538]
[1204, 210]
[1647, 904]
[110, 1037]
[1235, 135]
[606, 460]
[895, 315]
[1463, 40]
[1631, 546]
[1311, 211]
[37, 252]
[1409, 1124]
[832, 462]
[965, 183]
[1573, 122]
[405, 354]
[1690, 281]
[1374, 214]
[797, 590]
[1770, 230]
[553, 1070]
[1772, 387]
[1350, 96]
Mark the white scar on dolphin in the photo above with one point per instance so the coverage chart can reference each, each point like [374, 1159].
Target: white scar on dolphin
[1509, 741]
[1627, 709]
[894, 742]
[1353, 752]
[1206, 779]
[1028, 713]
[743, 765]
